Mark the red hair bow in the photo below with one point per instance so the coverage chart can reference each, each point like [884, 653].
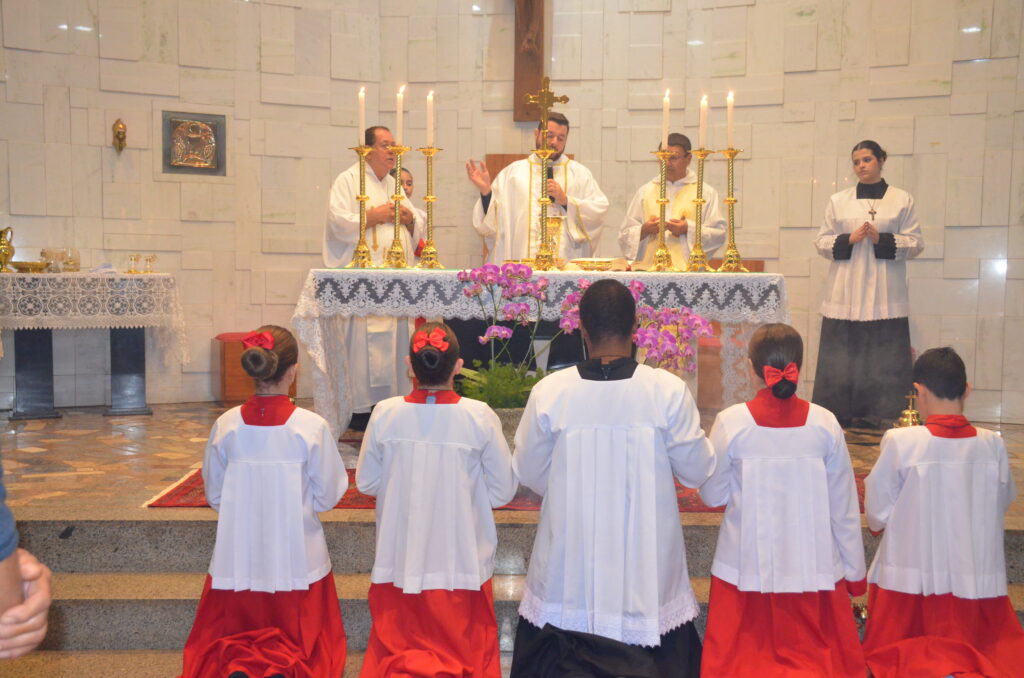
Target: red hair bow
[258, 340]
[436, 339]
[773, 376]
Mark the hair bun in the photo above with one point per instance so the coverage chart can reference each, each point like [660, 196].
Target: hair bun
[783, 389]
[430, 357]
[259, 363]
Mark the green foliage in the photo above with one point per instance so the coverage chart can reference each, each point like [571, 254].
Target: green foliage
[500, 385]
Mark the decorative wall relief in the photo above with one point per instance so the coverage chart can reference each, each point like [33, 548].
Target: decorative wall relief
[194, 143]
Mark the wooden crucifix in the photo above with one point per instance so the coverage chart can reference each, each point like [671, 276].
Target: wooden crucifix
[529, 58]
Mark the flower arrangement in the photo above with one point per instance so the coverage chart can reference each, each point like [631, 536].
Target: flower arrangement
[664, 337]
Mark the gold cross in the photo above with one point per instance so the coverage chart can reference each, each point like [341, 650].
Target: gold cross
[910, 398]
[545, 98]
[872, 212]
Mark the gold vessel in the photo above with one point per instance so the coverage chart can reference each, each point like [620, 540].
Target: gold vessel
[29, 266]
[909, 416]
[6, 249]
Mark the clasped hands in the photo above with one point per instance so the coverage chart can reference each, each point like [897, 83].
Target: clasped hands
[865, 230]
[385, 214]
[676, 227]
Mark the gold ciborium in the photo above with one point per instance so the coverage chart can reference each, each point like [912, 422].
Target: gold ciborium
[6, 249]
[909, 416]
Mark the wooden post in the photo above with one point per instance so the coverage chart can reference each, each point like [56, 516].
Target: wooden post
[529, 58]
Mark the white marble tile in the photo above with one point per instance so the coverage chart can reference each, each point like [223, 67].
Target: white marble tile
[56, 115]
[28, 183]
[121, 201]
[91, 352]
[278, 206]
[966, 103]
[963, 200]
[890, 31]
[58, 179]
[1006, 28]
[913, 80]
[984, 406]
[120, 36]
[973, 35]
[21, 122]
[297, 90]
[1013, 357]
[960, 268]
[207, 86]
[992, 292]
[982, 242]
[86, 182]
[63, 344]
[5, 195]
[277, 39]
[139, 77]
[986, 75]
[995, 210]
[800, 43]
[937, 296]
[209, 41]
[22, 24]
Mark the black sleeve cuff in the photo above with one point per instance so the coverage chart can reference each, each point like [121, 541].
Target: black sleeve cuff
[841, 248]
[486, 200]
[886, 247]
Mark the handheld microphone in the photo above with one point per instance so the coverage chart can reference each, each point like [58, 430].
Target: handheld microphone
[550, 175]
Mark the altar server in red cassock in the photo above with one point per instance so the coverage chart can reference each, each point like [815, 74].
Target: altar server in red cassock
[937, 596]
[438, 464]
[790, 551]
[269, 606]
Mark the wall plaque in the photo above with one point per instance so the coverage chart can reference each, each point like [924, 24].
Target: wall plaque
[194, 143]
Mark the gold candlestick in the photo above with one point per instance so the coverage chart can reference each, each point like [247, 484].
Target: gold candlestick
[545, 258]
[909, 416]
[395, 258]
[732, 262]
[662, 257]
[698, 259]
[428, 256]
[361, 257]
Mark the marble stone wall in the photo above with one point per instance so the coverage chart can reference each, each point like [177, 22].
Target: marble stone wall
[938, 82]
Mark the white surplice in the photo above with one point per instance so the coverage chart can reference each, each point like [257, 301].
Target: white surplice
[375, 345]
[437, 471]
[864, 287]
[268, 483]
[941, 503]
[793, 521]
[609, 558]
[680, 195]
[511, 225]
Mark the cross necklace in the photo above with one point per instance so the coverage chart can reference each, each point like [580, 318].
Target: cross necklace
[871, 209]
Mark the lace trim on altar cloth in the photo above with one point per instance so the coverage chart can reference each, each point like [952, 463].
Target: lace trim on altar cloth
[74, 301]
[629, 629]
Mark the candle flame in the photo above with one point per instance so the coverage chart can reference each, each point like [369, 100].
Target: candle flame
[401, 90]
[362, 90]
[704, 99]
[730, 96]
[430, 94]
[666, 94]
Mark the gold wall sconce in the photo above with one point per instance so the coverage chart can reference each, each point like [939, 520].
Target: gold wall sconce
[120, 135]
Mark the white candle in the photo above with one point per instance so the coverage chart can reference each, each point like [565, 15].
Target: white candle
[362, 116]
[665, 105]
[398, 106]
[430, 119]
[728, 121]
[703, 136]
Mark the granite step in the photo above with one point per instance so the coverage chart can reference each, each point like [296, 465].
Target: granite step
[181, 540]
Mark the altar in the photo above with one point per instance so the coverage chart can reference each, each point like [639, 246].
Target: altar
[739, 302]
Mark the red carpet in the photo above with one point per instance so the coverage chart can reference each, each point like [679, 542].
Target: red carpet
[189, 493]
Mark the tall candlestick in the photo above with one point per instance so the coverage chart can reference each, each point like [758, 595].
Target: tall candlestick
[362, 116]
[665, 105]
[430, 119]
[399, 106]
[703, 137]
[728, 121]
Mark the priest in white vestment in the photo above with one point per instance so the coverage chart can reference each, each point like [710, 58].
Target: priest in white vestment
[375, 345]
[604, 443]
[638, 235]
[507, 214]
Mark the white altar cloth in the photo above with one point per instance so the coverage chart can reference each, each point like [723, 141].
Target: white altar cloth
[72, 301]
[739, 301]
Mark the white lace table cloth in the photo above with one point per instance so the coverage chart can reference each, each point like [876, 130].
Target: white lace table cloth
[71, 301]
[738, 301]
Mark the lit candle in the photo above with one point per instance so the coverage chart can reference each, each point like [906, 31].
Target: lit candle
[362, 116]
[728, 121]
[703, 137]
[665, 105]
[398, 125]
[430, 119]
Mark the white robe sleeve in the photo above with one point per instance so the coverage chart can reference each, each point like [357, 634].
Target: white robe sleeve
[632, 224]
[689, 453]
[718, 489]
[844, 508]
[370, 467]
[909, 241]
[534, 447]
[882, 486]
[1007, 487]
[215, 464]
[499, 478]
[712, 227]
[828, 233]
[585, 208]
[325, 469]
[343, 211]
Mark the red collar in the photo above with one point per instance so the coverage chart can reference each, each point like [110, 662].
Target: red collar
[950, 426]
[427, 397]
[773, 412]
[267, 410]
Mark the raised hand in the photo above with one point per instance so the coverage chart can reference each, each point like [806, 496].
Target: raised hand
[479, 175]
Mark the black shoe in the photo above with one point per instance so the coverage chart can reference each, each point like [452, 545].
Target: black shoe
[359, 421]
[239, 674]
